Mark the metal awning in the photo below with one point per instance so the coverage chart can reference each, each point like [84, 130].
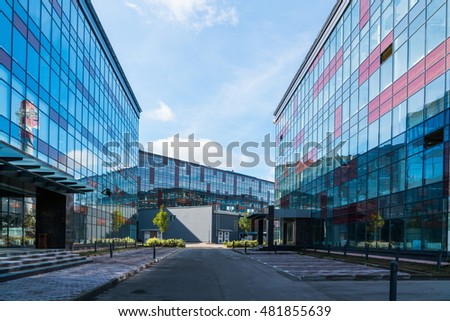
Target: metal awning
[16, 164]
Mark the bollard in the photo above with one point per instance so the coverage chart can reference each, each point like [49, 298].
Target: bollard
[329, 248]
[315, 248]
[110, 249]
[393, 281]
[233, 245]
[367, 252]
[95, 246]
[245, 247]
[126, 244]
[439, 261]
[113, 245]
[345, 250]
[275, 247]
[397, 254]
[154, 251]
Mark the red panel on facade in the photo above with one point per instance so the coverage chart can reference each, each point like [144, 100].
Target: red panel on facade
[338, 122]
[375, 55]
[374, 116]
[416, 71]
[400, 83]
[416, 85]
[387, 41]
[400, 96]
[374, 66]
[385, 107]
[363, 76]
[373, 105]
[435, 55]
[435, 71]
[364, 20]
[386, 94]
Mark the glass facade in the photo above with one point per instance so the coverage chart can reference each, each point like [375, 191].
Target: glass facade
[363, 131]
[63, 96]
[170, 182]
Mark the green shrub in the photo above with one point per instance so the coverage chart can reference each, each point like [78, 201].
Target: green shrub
[165, 243]
[241, 243]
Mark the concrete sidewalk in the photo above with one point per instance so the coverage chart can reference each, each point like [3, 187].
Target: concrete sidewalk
[79, 282]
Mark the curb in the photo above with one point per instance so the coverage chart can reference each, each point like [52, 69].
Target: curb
[86, 296]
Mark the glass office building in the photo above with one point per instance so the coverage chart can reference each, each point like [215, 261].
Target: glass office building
[63, 96]
[171, 182]
[363, 130]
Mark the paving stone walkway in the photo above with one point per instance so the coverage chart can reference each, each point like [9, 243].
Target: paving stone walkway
[303, 267]
[76, 282]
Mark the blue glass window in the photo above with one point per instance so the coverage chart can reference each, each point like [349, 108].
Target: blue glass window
[434, 164]
[33, 62]
[5, 34]
[19, 48]
[434, 97]
[417, 46]
[414, 171]
[5, 103]
[436, 29]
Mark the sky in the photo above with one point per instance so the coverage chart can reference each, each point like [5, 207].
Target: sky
[212, 71]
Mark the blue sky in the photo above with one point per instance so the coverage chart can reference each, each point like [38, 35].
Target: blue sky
[216, 69]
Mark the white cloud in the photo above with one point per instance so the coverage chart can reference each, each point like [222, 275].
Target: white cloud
[136, 8]
[196, 14]
[163, 113]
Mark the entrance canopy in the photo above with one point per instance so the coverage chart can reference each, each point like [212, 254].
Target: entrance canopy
[19, 167]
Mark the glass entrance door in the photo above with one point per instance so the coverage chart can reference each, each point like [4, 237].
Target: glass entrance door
[17, 222]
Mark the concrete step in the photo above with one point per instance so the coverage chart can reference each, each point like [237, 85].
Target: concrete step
[25, 263]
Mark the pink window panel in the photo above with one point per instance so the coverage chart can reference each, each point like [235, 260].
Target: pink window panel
[437, 70]
[373, 105]
[417, 70]
[400, 96]
[364, 12]
[385, 107]
[386, 94]
[338, 122]
[374, 66]
[416, 85]
[363, 76]
[375, 55]
[374, 116]
[436, 55]
[400, 83]
[387, 41]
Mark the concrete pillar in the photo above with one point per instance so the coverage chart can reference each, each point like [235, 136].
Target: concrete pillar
[270, 222]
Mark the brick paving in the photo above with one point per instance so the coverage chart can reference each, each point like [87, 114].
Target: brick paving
[303, 267]
[76, 282]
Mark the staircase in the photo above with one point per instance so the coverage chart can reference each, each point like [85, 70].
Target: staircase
[25, 262]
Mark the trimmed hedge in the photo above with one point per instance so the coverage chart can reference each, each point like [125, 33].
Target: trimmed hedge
[241, 243]
[165, 243]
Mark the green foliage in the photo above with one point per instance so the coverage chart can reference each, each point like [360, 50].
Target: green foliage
[165, 243]
[161, 220]
[116, 240]
[245, 223]
[117, 220]
[242, 243]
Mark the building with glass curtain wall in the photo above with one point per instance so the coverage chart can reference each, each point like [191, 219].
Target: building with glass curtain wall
[63, 96]
[170, 182]
[363, 131]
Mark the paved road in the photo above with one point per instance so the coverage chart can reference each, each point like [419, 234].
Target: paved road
[201, 274]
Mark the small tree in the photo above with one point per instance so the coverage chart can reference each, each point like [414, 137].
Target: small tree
[118, 220]
[245, 224]
[161, 220]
